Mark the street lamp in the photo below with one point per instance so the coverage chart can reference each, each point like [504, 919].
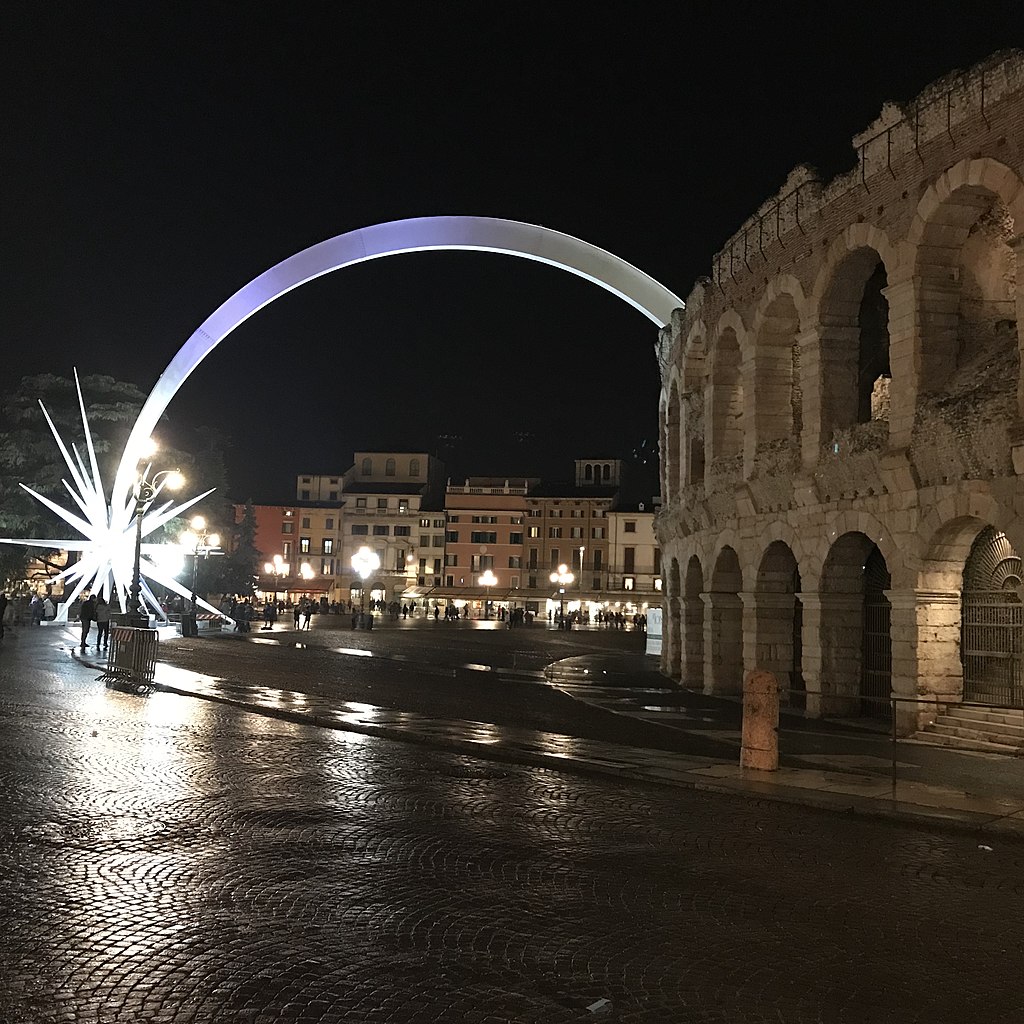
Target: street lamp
[278, 568]
[563, 578]
[488, 580]
[145, 492]
[365, 562]
[583, 549]
[201, 543]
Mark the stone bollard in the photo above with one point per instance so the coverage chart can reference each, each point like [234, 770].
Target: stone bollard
[760, 748]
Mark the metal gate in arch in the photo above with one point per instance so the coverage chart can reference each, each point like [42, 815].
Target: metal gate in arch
[992, 622]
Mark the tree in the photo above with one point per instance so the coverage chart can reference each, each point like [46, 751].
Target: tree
[29, 454]
[242, 565]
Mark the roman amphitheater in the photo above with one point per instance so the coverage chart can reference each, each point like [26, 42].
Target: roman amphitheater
[842, 417]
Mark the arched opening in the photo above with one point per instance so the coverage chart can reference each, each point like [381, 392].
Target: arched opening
[693, 626]
[607, 470]
[674, 620]
[367, 467]
[672, 428]
[389, 467]
[414, 467]
[723, 403]
[777, 396]
[588, 472]
[724, 646]
[854, 344]
[856, 640]
[695, 469]
[779, 620]
[992, 622]
[968, 274]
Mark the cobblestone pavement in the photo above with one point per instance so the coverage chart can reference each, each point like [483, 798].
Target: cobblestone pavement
[169, 860]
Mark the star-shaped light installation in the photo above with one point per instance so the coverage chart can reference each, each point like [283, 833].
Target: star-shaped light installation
[109, 530]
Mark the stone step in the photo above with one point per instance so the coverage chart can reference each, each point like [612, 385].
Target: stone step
[944, 728]
[1012, 732]
[1009, 716]
[958, 742]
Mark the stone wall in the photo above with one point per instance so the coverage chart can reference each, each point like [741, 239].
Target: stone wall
[915, 459]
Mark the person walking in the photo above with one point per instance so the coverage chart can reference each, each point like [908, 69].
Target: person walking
[102, 623]
[3, 612]
[86, 616]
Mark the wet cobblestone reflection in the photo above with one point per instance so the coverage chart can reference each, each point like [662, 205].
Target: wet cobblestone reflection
[168, 860]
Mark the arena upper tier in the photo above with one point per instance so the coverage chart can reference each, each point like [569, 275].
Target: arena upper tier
[842, 418]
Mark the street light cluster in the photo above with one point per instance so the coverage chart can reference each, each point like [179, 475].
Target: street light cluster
[563, 578]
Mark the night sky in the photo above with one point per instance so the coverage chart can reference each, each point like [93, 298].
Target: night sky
[157, 156]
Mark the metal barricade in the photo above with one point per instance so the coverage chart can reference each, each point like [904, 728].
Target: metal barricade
[131, 658]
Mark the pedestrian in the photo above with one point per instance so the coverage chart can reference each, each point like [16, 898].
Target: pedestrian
[49, 609]
[268, 611]
[102, 623]
[3, 612]
[36, 610]
[86, 616]
[437, 613]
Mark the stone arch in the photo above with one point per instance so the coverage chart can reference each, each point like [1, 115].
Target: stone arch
[949, 535]
[673, 435]
[419, 234]
[675, 604]
[855, 629]
[848, 357]
[693, 624]
[965, 237]
[778, 407]
[723, 396]
[693, 358]
[692, 412]
[723, 642]
[778, 619]
[852, 521]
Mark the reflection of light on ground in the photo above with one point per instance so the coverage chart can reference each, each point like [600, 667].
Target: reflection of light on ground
[559, 745]
[364, 709]
[482, 732]
[356, 651]
[479, 668]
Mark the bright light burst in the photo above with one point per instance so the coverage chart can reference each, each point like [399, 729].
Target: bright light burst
[108, 532]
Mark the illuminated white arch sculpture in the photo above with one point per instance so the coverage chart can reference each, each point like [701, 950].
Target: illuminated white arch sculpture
[420, 234]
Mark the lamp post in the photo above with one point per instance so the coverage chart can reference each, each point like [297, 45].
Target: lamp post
[278, 568]
[365, 562]
[201, 543]
[146, 490]
[563, 578]
[488, 580]
[583, 549]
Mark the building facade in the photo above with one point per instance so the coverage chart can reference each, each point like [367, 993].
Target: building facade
[842, 417]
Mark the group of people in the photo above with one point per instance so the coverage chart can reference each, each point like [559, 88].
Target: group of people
[95, 609]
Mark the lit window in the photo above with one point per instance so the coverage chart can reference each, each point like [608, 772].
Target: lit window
[657, 584]
[304, 545]
[328, 548]
[628, 582]
[425, 522]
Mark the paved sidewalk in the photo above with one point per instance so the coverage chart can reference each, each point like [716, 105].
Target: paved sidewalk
[985, 808]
